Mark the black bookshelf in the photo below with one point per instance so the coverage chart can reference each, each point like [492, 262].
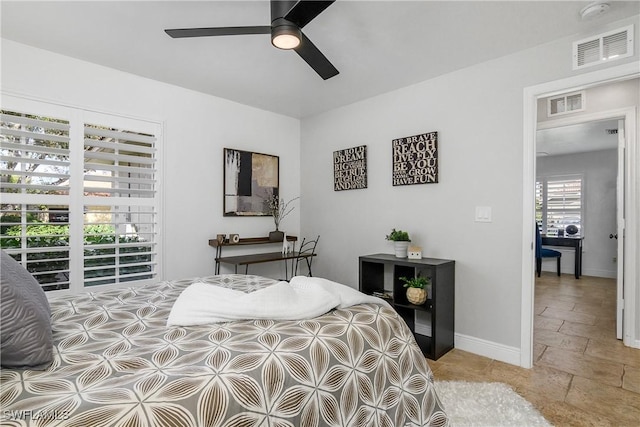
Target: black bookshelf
[381, 273]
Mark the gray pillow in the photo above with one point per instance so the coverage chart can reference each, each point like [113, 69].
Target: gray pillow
[26, 339]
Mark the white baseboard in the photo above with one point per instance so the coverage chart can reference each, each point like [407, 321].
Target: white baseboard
[496, 351]
[488, 349]
[607, 274]
[599, 273]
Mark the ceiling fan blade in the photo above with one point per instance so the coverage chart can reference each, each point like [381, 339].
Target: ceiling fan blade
[312, 55]
[305, 11]
[220, 31]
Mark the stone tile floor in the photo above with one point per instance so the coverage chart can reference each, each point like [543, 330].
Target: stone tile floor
[582, 375]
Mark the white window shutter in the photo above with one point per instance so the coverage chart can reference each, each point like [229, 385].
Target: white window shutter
[120, 209]
[34, 214]
[89, 222]
[559, 203]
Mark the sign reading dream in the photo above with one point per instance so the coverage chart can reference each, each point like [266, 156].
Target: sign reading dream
[350, 168]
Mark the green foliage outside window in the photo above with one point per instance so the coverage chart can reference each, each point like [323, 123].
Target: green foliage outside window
[49, 236]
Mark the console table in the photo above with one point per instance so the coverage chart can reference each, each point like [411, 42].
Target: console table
[256, 258]
[432, 323]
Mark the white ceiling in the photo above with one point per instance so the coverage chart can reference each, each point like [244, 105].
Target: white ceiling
[378, 46]
[591, 136]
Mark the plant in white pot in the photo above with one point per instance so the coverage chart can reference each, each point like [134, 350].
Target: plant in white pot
[400, 241]
[416, 289]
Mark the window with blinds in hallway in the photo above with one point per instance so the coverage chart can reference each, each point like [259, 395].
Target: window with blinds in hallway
[79, 195]
[559, 203]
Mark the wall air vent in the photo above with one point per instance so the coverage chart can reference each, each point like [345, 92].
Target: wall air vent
[610, 46]
[567, 103]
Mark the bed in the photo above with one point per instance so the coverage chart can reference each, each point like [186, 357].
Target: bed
[117, 363]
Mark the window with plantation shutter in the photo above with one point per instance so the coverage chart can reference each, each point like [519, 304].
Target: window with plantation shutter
[35, 154]
[119, 208]
[79, 195]
[539, 203]
[559, 203]
[118, 163]
[34, 213]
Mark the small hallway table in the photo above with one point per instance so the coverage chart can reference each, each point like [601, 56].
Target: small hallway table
[574, 242]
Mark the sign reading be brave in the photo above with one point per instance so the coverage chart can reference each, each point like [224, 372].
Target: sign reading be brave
[415, 159]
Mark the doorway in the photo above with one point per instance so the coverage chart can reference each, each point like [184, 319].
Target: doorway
[531, 95]
[580, 171]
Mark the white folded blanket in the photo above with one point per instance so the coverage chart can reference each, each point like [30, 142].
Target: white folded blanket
[301, 298]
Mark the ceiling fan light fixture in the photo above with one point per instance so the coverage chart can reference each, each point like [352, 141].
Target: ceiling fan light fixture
[286, 37]
[287, 20]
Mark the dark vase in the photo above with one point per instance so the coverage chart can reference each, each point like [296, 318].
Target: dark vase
[276, 236]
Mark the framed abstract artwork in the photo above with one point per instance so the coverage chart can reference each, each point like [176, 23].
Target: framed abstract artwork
[250, 179]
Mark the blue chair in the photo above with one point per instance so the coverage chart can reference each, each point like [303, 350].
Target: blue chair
[544, 253]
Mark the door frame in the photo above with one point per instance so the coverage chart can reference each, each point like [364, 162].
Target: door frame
[620, 225]
[617, 115]
[531, 96]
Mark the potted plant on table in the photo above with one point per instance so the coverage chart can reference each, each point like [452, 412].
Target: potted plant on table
[400, 241]
[278, 208]
[416, 289]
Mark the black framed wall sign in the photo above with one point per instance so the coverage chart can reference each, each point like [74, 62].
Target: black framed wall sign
[250, 179]
[415, 159]
[350, 168]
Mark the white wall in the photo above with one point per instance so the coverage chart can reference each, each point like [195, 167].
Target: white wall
[196, 129]
[478, 113]
[612, 96]
[599, 170]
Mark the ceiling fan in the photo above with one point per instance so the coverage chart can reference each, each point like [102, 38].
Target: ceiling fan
[287, 20]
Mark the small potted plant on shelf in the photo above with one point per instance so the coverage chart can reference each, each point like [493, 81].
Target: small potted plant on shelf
[400, 241]
[416, 289]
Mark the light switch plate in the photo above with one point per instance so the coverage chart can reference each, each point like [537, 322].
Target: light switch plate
[483, 213]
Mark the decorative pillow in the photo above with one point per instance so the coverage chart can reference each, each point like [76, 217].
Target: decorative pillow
[26, 339]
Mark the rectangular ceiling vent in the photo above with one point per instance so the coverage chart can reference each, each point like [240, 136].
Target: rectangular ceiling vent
[610, 46]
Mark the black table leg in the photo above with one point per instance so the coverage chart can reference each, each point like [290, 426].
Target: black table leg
[578, 261]
[218, 255]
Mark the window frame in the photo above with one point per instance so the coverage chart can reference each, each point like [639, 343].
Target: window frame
[76, 199]
[542, 214]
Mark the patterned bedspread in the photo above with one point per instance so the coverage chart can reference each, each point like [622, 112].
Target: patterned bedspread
[118, 364]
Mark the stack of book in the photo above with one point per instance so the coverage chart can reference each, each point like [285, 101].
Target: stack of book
[383, 295]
